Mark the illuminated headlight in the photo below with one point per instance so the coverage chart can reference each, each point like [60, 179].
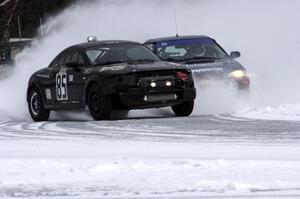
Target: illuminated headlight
[168, 83]
[238, 74]
[153, 84]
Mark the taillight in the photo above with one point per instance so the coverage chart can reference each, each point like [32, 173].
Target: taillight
[183, 76]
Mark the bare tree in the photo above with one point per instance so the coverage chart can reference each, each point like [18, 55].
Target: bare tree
[6, 32]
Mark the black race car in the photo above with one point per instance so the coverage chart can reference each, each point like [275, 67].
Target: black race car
[109, 76]
[208, 61]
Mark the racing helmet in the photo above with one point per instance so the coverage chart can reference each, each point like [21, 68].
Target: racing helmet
[197, 50]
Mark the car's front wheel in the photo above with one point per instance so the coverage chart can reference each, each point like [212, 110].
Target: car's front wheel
[100, 105]
[117, 114]
[183, 110]
[36, 107]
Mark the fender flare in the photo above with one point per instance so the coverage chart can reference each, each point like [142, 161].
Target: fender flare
[95, 79]
[36, 85]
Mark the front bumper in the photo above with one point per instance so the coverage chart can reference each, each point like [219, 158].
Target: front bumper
[135, 98]
[242, 83]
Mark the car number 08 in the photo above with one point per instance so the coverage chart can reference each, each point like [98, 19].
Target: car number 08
[61, 86]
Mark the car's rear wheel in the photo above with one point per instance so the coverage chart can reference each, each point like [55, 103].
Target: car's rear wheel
[36, 107]
[100, 105]
[183, 110]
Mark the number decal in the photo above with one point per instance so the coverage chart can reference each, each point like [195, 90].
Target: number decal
[62, 86]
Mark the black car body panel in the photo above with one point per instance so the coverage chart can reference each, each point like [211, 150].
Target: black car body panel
[65, 85]
[203, 68]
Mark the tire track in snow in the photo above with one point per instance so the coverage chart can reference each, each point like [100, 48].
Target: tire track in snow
[211, 128]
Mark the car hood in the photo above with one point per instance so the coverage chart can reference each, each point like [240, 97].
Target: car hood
[211, 67]
[124, 68]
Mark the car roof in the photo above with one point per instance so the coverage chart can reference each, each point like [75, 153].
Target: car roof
[165, 39]
[104, 42]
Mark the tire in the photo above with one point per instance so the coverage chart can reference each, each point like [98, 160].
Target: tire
[100, 106]
[183, 110]
[120, 114]
[36, 107]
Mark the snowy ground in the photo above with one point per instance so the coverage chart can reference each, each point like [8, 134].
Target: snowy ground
[220, 156]
[279, 112]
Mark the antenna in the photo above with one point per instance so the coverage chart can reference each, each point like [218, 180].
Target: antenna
[175, 18]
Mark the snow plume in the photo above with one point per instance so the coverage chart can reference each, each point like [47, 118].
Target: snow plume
[264, 31]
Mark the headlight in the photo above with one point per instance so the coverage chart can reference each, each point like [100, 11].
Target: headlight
[153, 84]
[238, 74]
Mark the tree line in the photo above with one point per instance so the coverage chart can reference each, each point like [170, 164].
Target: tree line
[26, 15]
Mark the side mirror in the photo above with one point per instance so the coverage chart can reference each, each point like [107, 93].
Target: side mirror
[235, 54]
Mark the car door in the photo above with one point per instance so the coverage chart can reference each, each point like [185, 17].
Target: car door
[66, 81]
[75, 79]
[59, 84]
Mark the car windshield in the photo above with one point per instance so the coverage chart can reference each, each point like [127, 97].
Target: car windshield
[119, 53]
[189, 49]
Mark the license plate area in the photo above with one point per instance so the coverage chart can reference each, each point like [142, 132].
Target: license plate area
[160, 97]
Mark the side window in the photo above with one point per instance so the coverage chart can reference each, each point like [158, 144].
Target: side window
[150, 46]
[80, 60]
[63, 59]
[68, 59]
[97, 54]
[74, 58]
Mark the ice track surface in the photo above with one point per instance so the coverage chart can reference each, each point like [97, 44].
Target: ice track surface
[197, 129]
[213, 156]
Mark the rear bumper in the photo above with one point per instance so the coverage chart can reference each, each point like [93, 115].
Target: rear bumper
[136, 99]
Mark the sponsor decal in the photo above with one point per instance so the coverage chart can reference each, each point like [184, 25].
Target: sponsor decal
[62, 85]
[48, 94]
[71, 78]
[206, 70]
[175, 64]
[43, 75]
[215, 65]
[88, 71]
[205, 67]
[113, 68]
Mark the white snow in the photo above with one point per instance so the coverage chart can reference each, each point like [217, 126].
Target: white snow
[89, 168]
[278, 112]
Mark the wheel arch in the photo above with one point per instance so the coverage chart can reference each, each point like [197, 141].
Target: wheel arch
[93, 80]
[34, 85]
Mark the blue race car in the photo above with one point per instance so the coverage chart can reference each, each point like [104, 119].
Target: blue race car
[208, 61]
